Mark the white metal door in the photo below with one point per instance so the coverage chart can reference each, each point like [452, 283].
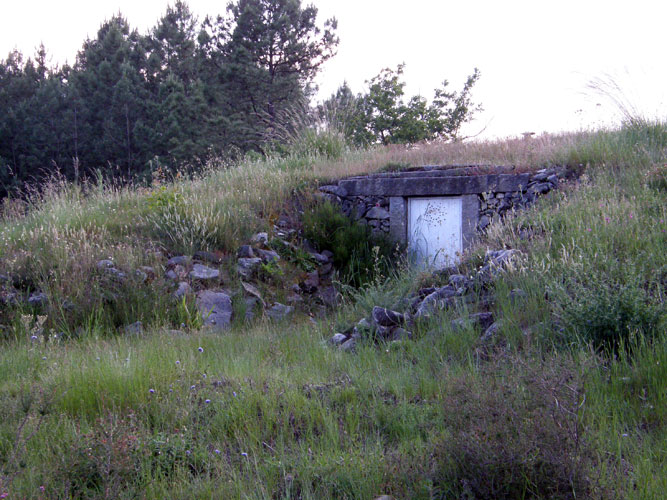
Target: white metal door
[434, 231]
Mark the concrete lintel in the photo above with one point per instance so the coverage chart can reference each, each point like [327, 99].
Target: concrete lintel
[398, 221]
[434, 186]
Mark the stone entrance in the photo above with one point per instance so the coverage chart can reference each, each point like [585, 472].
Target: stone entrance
[407, 205]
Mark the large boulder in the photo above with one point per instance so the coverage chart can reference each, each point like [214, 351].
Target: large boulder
[215, 308]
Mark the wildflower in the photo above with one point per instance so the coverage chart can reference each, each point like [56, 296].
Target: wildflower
[234, 393]
[607, 219]
[244, 454]
[41, 488]
[188, 452]
[207, 401]
[216, 451]
[201, 349]
[33, 337]
[98, 358]
[192, 387]
[178, 362]
[152, 391]
[203, 375]
[43, 358]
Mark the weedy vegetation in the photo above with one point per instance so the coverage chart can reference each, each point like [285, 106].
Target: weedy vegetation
[568, 401]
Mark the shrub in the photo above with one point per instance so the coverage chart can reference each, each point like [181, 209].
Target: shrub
[358, 254]
[608, 314]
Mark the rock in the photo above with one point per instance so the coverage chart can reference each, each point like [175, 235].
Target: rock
[335, 190]
[209, 257]
[104, 264]
[253, 291]
[484, 222]
[338, 339]
[459, 281]
[435, 301]
[136, 328]
[377, 213]
[182, 290]
[172, 275]
[180, 260]
[364, 325]
[319, 258]
[246, 267]
[491, 331]
[328, 295]
[325, 269]
[203, 273]
[482, 320]
[140, 275]
[268, 255]
[349, 345]
[4, 278]
[294, 299]
[386, 317]
[250, 306]
[245, 252]
[148, 271]
[517, 295]
[279, 311]
[328, 254]
[38, 299]
[399, 334]
[116, 274]
[310, 284]
[541, 175]
[260, 238]
[215, 308]
[496, 260]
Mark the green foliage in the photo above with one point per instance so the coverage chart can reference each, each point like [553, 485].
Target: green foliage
[356, 252]
[611, 314]
[382, 116]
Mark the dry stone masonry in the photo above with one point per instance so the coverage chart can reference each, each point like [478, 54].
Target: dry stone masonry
[381, 200]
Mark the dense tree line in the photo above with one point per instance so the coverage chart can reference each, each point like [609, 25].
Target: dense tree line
[182, 93]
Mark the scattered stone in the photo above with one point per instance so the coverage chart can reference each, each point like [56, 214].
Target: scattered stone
[325, 269]
[209, 257]
[250, 305]
[140, 275]
[136, 328]
[115, 274]
[215, 308]
[260, 238]
[338, 339]
[328, 254]
[386, 317]
[148, 271]
[279, 311]
[253, 291]
[204, 273]
[349, 345]
[180, 260]
[517, 295]
[104, 264]
[172, 275]
[435, 301]
[182, 290]
[245, 252]
[310, 284]
[246, 267]
[492, 331]
[268, 255]
[481, 320]
[399, 334]
[328, 295]
[320, 258]
[38, 299]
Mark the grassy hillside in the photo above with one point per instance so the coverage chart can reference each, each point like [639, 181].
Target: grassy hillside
[569, 400]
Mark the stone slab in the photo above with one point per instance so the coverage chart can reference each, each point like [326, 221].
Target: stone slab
[398, 220]
[434, 186]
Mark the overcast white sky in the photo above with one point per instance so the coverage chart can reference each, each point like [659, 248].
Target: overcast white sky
[536, 57]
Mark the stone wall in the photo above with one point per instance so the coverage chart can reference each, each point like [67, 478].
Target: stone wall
[380, 200]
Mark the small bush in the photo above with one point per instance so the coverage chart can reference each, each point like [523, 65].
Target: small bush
[607, 314]
[358, 254]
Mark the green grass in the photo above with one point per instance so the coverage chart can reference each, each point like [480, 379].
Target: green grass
[541, 411]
